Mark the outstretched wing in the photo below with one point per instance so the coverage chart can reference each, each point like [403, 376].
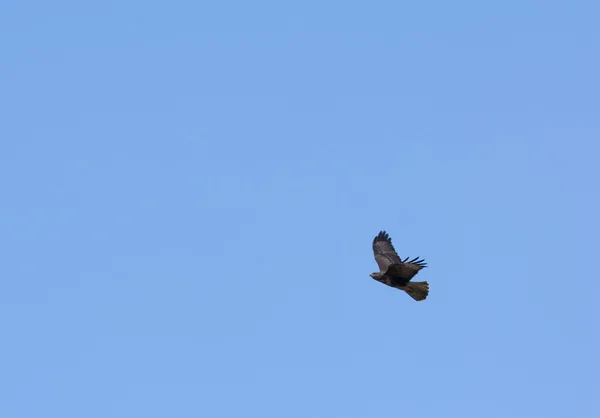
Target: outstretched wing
[385, 254]
[406, 270]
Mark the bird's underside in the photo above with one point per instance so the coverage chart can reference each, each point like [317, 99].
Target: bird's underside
[396, 272]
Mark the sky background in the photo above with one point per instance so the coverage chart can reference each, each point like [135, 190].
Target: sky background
[190, 190]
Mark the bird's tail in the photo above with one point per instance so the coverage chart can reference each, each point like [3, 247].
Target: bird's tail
[417, 290]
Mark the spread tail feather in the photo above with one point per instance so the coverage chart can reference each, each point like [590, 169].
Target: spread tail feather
[417, 290]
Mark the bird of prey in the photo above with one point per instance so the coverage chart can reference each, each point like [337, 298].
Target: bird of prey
[396, 272]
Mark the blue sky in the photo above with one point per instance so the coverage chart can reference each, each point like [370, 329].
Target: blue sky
[190, 191]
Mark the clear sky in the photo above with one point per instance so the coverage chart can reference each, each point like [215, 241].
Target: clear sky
[190, 190]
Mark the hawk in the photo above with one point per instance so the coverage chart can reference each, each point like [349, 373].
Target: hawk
[396, 272]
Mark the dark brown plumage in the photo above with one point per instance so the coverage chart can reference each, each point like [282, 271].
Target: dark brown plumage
[396, 272]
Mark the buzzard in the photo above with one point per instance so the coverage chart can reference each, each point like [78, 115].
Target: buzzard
[396, 272]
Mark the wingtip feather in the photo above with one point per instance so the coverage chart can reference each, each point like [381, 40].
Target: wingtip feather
[382, 236]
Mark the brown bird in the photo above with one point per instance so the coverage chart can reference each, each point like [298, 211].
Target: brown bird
[396, 272]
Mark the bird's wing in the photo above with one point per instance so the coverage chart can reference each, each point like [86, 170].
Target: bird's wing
[385, 254]
[406, 270]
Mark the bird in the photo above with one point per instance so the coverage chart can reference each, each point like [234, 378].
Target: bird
[396, 272]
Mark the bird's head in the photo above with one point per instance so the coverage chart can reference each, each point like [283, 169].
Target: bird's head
[377, 275]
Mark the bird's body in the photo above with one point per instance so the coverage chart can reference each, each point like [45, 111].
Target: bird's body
[396, 272]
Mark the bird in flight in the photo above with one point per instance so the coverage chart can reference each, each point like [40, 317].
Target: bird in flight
[396, 272]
